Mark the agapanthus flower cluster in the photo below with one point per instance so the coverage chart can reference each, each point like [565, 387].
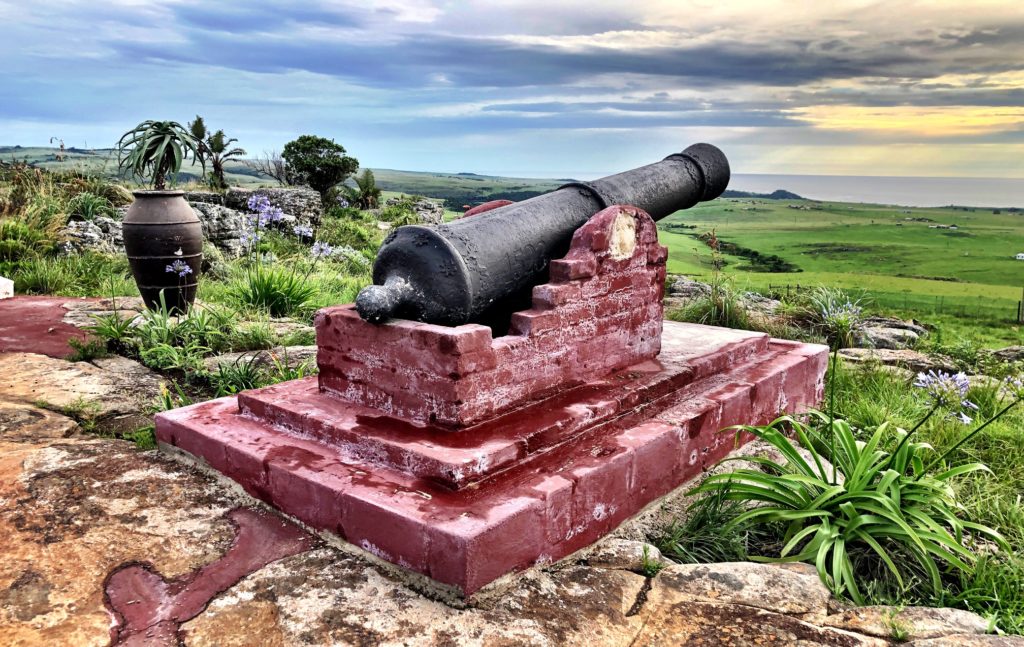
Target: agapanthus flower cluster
[846, 314]
[948, 392]
[350, 253]
[342, 202]
[303, 231]
[1013, 386]
[263, 215]
[321, 249]
[179, 267]
[258, 202]
[840, 322]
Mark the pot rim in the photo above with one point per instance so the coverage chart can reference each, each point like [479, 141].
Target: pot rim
[157, 193]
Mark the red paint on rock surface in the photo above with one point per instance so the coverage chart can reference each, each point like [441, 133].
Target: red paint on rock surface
[149, 610]
[35, 325]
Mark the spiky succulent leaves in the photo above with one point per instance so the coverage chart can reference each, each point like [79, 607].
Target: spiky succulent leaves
[869, 504]
[155, 149]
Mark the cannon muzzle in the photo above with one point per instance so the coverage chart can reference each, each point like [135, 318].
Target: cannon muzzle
[475, 269]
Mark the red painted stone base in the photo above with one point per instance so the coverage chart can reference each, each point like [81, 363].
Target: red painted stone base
[466, 507]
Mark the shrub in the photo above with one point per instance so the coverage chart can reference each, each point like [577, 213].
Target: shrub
[89, 206]
[18, 240]
[254, 336]
[877, 505]
[722, 306]
[243, 374]
[84, 351]
[45, 276]
[277, 291]
[707, 534]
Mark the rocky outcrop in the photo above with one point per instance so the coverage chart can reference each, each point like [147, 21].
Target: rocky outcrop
[909, 360]
[1009, 354]
[890, 333]
[222, 217]
[428, 211]
[290, 356]
[222, 227]
[301, 205]
[101, 234]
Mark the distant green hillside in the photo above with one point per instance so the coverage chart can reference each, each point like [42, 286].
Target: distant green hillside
[456, 189]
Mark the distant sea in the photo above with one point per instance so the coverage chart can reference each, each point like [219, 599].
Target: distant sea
[904, 191]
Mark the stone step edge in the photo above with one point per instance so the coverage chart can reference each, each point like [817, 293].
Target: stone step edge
[459, 467]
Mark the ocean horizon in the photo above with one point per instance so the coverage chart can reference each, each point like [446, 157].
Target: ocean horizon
[902, 191]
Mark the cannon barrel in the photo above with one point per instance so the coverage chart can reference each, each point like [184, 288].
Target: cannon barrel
[466, 270]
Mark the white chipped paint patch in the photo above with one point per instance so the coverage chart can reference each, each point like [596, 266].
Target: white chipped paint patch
[602, 510]
[623, 238]
[694, 456]
[375, 550]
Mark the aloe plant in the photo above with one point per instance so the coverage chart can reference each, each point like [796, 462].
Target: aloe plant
[155, 149]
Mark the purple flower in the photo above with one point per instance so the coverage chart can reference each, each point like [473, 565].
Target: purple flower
[321, 249]
[845, 313]
[303, 231]
[342, 202]
[250, 237]
[270, 215]
[258, 202]
[179, 267]
[1013, 386]
[948, 392]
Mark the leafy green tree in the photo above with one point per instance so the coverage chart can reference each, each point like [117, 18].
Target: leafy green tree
[318, 162]
[365, 193]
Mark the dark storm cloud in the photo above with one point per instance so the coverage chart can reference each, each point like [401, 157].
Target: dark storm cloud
[412, 59]
[260, 17]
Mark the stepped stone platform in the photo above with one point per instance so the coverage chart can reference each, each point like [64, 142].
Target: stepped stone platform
[464, 456]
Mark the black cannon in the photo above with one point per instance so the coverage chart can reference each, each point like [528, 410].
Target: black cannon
[480, 269]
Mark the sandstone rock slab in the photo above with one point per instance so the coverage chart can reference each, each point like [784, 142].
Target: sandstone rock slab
[792, 589]
[907, 359]
[624, 554]
[75, 510]
[113, 392]
[915, 623]
[23, 422]
[290, 356]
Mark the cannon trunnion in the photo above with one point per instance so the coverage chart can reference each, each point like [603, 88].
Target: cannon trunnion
[480, 268]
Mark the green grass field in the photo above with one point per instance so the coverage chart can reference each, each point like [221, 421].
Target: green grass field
[903, 265]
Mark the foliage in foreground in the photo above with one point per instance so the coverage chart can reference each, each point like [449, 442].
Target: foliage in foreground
[877, 505]
[982, 501]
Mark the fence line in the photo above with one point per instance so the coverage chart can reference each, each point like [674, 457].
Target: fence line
[938, 304]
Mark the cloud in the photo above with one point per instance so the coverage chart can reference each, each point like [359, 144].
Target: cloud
[398, 75]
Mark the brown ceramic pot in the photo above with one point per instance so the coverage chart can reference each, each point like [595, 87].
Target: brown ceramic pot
[159, 229]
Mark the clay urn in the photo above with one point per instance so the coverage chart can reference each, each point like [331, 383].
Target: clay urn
[163, 239]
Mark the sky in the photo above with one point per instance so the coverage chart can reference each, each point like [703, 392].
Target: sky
[537, 88]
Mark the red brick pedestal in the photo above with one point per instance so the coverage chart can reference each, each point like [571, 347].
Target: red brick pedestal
[465, 457]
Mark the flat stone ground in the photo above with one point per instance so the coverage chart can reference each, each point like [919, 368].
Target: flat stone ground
[36, 325]
[104, 544]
